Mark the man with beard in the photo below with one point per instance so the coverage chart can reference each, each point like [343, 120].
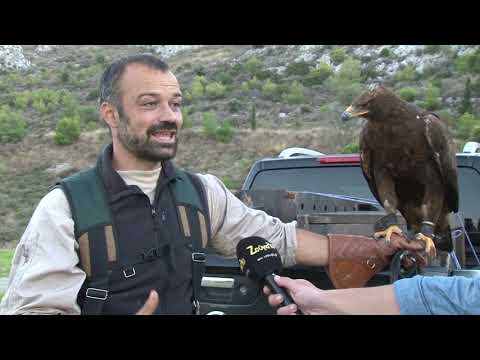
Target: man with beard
[147, 261]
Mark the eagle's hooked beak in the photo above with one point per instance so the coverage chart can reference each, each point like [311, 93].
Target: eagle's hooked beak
[351, 112]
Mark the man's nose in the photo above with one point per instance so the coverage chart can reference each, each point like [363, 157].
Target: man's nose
[167, 114]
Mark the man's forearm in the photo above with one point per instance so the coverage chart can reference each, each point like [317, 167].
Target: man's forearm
[312, 248]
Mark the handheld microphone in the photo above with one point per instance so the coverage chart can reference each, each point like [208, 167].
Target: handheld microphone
[260, 261]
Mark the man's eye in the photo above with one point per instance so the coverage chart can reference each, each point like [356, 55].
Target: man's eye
[176, 105]
[150, 104]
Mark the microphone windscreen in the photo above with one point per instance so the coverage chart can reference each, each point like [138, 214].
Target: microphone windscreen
[259, 257]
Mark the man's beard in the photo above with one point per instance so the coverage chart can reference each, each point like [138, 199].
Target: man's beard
[144, 147]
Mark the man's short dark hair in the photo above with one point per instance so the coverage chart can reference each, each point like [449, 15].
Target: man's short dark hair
[110, 80]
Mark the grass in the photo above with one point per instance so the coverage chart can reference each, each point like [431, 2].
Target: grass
[5, 261]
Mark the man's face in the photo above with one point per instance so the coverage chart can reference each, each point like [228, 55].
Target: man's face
[151, 101]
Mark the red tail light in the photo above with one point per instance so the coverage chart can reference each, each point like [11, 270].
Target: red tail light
[351, 159]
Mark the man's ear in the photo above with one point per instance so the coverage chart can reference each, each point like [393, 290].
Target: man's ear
[109, 114]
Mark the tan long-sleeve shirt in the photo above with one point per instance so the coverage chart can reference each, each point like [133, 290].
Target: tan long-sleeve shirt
[45, 277]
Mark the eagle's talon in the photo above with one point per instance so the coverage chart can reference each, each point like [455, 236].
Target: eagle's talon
[387, 233]
[429, 244]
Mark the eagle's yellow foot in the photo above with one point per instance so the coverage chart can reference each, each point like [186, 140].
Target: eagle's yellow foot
[429, 244]
[387, 233]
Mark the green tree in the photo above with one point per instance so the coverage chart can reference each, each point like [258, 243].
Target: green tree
[245, 87]
[269, 89]
[68, 130]
[408, 73]
[254, 83]
[197, 90]
[466, 105]
[338, 55]
[385, 53]
[408, 94]
[346, 82]
[253, 118]
[432, 98]
[13, 127]
[318, 75]
[89, 117]
[224, 133]
[475, 134]
[295, 94]
[253, 66]
[210, 124]
[215, 90]
[187, 121]
[22, 100]
[352, 148]
[465, 125]
[301, 68]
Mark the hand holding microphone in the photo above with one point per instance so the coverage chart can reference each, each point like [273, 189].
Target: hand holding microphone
[260, 261]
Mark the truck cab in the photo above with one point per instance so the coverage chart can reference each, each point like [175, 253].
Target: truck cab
[304, 185]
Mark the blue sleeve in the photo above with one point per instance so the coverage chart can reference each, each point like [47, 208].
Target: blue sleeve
[438, 295]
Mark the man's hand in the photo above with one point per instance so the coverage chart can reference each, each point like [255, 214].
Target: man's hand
[150, 305]
[303, 293]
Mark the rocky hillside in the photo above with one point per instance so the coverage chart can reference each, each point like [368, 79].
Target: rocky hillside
[242, 102]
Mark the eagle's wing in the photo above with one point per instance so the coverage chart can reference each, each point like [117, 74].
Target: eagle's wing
[444, 156]
[366, 160]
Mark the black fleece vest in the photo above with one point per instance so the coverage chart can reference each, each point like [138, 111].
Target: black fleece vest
[151, 250]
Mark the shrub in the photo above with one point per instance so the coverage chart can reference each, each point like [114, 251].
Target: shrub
[295, 94]
[408, 93]
[385, 52]
[187, 121]
[67, 131]
[319, 75]
[69, 104]
[466, 105]
[93, 95]
[346, 82]
[197, 88]
[39, 106]
[89, 116]
[199, 70]
[224, 78]
[351, 70]
[254, 83]
[22, 100]
[230, 183]
[432, 98]
[12, 126]
[100, 59]
[64, 77]
[469, 62]
[301, 68]
[215, 90]
[352, 148]
[305, 109]
[210, 124]
[432, 49]
[224, 133]
[245, 87]
[253, 118]
[338, 55]
[465, 125]
[408, 73]
[234, 106]
[253, 66]
[475, 134]
[269, 89]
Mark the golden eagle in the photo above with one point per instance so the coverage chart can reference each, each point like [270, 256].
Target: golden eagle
[408, 160]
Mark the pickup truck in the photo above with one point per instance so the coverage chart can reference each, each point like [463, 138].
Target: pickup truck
[328, 193]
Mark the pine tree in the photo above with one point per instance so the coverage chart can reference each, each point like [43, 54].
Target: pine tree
[253, 119]
[466, 105]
